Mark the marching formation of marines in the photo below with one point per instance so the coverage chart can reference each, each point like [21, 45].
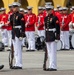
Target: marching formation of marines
[53, 24]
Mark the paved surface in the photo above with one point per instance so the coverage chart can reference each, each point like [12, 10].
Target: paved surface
[33, 62]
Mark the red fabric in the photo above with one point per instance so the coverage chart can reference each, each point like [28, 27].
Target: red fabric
[58, 15]
[32, 20]
[9, 27]
[66, 22]
[45, 13]
[0, 17]
[53, 12]
[41, 25]
[4, 18]
[71, 16]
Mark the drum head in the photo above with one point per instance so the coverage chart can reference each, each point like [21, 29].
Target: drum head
[59, 45]
[72, 40]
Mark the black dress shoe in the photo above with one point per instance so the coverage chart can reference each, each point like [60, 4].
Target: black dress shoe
[32, 50]
[27, 50]
[8, 49]
[16, 67]
[12, 67]
[67, 49]
[1, 67]
[62, 49]
[23, 45]
[51, 69]
[6, 45]
[44, 67]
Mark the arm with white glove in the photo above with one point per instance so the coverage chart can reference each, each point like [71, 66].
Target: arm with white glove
[1, 24]
[70, 24]
[26, 24]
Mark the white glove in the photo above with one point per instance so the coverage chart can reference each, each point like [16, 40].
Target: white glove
[73, 24]
[70, 24]
[1, 25]
[56, 41]
[71, 30]
[26, 24]
[20, 38]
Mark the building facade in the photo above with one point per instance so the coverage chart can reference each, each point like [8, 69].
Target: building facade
[36, 3]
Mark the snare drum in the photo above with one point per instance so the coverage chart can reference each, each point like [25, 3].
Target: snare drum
[59, 45]
[72, 40]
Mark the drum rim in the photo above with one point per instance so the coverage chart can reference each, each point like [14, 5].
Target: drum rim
[60, 45]
[72, 41]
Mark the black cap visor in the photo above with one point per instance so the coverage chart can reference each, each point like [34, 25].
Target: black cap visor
[40, 9]
[29, 9]
[10, 6]
[21, 11]
[48, 9]
[60, 10]
[3, 10]
[64, 9]
[15, 6]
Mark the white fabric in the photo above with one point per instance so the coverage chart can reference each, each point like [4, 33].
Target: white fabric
[52, 54]
[71, 25]
[1, 25]
[64, 37]
[59, 44]
[41, 33]
[23, 41]
[4, 36]
[9, 37]
[31, 39]
[72, 39]
[17, 44]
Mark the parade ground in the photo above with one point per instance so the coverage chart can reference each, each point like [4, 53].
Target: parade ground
[33, 62]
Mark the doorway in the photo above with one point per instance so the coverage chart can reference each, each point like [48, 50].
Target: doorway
[1, 3]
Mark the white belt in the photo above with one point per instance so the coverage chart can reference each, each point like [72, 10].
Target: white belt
[17, 27]
[51, 29]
